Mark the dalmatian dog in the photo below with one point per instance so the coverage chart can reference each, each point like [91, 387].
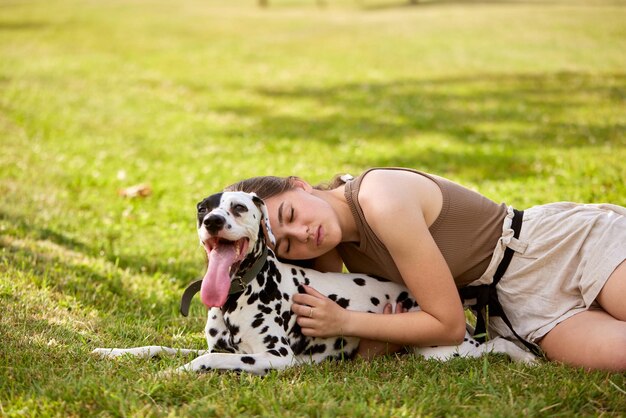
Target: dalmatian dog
[248, 291]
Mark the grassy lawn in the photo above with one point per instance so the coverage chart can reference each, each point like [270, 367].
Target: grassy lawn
[524, 101]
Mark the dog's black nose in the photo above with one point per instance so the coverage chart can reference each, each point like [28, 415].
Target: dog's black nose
[214, 223]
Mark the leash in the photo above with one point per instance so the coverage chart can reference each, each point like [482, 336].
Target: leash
[238, 284]
[486, 295]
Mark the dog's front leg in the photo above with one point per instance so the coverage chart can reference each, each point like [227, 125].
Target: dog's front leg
[259, 363]
[144, 352]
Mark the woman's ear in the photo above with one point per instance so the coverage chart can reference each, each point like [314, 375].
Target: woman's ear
[301, 184]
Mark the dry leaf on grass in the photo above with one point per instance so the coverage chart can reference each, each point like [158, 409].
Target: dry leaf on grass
[138, 190]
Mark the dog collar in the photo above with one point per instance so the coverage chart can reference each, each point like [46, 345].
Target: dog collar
[240, 283]
[237, 285]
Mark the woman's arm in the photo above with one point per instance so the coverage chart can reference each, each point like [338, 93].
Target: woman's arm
[400, 220]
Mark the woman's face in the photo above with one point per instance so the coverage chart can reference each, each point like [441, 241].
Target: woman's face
[304, 224]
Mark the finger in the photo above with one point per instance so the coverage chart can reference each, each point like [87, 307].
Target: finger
[305, 322]
[387, 309]
[309, 290]
[309, 332]
[304, 299]
[400, 308]
[302, 310]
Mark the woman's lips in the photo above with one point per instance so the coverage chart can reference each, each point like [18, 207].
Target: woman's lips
[319, 236]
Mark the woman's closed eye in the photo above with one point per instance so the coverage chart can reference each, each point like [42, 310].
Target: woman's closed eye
[284, 245]
[287, 240]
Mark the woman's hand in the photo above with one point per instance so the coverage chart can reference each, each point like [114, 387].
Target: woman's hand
[318, 316]
[369, 349]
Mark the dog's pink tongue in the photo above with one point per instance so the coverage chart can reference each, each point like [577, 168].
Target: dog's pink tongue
[216, 282]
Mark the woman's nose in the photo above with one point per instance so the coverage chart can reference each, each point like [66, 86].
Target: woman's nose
[299, 232]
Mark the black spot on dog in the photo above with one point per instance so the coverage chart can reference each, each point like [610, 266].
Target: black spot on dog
[293, 271]
[283, 351]
[343, 302]
[402, 296]
[408, 304]
[264, 309]
[359, 281]
[213, 332]
[270, 341]
[340, 343]
[274, 353]
[253, 298]
[286, 318]
[222, 345]
[299, 346]
[232, 329]
[374, 301]
[257, 322]
[270, 291]
[248, 360]
[333, 297]
[231, 303]
[264, 330]
[315, 349]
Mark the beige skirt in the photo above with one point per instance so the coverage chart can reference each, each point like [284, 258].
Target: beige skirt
[563, 257]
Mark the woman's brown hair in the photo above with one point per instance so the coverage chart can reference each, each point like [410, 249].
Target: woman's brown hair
[268, 186]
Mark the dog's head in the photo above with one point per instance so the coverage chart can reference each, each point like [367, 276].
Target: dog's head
[229, 227]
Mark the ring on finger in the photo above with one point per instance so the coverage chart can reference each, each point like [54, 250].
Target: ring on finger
[311, 312]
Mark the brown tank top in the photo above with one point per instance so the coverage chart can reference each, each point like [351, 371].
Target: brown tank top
[466, 232]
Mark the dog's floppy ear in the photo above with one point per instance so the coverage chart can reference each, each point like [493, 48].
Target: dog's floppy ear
[266, 219]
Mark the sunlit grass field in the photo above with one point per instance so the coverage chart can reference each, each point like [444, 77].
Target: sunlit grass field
[524, 101]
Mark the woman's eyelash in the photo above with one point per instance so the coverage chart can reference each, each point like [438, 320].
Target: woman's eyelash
[291, 217]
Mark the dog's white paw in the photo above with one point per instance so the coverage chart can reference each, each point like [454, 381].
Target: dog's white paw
[528, 359]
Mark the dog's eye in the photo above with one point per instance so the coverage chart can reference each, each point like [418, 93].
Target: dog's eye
[201, 209]
[239, 208]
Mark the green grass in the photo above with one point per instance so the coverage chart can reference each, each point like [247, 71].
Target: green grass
[521, 100]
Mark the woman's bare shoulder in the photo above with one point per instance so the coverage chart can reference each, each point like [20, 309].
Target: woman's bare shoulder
[397, 191]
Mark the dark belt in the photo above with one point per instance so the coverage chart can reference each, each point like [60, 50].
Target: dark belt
[486, 295]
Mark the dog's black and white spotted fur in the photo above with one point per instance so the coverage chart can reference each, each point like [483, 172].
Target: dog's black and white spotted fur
[255, 329]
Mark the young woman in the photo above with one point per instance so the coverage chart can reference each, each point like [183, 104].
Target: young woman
[564, 288]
